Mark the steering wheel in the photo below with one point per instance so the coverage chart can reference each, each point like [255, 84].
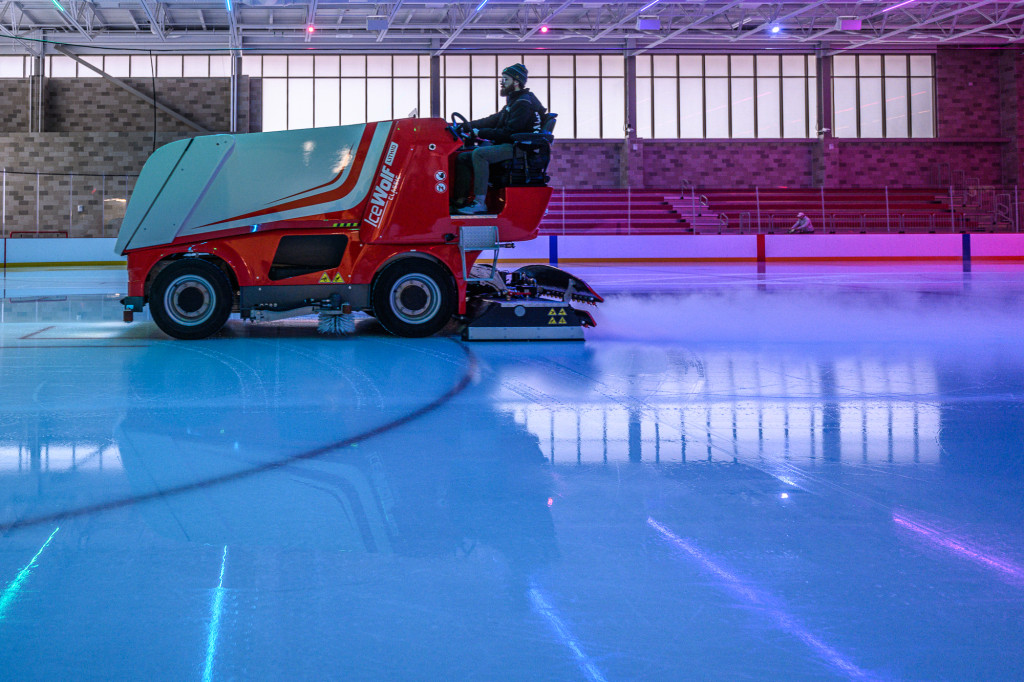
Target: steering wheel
[458, 129]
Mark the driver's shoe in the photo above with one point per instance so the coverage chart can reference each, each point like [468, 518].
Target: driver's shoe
[473, 209]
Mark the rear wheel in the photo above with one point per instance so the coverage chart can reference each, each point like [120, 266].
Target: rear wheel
[190, 299]
[414, 297]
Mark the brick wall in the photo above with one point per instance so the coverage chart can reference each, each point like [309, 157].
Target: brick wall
[727, 163]
[967, 90]
[864, 163]
[1011, 73]
[91, 170]
[95, 104]
[586, 165]
[13, 104]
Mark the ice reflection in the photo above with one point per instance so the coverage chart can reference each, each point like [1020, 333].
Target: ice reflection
[652, 404]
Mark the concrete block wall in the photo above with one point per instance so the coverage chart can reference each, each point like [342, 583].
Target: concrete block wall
[94, 170]
[876, 163]
[206, 101]
[727, 163]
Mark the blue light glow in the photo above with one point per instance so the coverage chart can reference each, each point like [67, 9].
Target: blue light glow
[480, 6]
[649, 5]
[784, 496]
[10, 592]
[785, 621]
[228, 3]
[215, 610]
[59, 6]
[565, 636]
[776, 29]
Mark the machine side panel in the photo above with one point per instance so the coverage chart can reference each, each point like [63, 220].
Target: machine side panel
[409, 202]
[291, 175]
[226, 183]
[154, 177]
[188, 183]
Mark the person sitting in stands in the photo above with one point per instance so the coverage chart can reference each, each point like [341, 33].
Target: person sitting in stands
[521, 114]
[802, 225]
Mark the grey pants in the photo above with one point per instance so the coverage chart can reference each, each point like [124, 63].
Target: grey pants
[482, 158]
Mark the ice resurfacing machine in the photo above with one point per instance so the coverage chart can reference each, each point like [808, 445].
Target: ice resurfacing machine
[336, 220]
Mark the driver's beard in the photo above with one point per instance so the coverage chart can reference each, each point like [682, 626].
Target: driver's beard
[505, 92]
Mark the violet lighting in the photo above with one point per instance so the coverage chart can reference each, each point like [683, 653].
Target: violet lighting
[905, 2]
[961, 547]
[741, 588]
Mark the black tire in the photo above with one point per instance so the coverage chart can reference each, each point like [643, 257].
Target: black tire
[191, 299]
[414, 297]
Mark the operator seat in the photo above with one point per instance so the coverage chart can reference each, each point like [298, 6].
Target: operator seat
[531, 153]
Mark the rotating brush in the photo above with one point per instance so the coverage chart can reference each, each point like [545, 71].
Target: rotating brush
[337, 322]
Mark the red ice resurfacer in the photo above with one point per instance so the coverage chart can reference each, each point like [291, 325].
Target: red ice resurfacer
[334, 220]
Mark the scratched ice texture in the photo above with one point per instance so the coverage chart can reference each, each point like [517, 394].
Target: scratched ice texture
[813, 473]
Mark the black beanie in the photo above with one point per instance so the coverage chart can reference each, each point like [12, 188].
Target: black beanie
[516, 72]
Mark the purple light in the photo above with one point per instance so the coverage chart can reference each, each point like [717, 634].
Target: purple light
[905, 2]
[764, 601]
[961, 547]
[565, 635]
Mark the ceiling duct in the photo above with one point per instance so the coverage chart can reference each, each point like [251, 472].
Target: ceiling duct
[376, 22]
[648, 23]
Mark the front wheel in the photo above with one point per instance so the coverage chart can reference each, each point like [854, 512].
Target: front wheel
[190, 299]
[414, 297]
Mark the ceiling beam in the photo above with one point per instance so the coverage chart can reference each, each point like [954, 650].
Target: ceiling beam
[561, 8]
[684, 29]
[391, 17]
[768, 24]
[931, 20]
[310, 18]
[961, 34]
[154, 24]
[455, 34]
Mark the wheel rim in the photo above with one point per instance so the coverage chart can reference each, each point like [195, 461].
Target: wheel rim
[190, 300]
[415, 299]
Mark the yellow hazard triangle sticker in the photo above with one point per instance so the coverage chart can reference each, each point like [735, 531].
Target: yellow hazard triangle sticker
[338, 279]
[561, 320]
[552, 313]
[551, 320]
[325, 278]
[562, 311]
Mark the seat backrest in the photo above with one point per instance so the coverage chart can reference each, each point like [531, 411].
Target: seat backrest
[548, 122]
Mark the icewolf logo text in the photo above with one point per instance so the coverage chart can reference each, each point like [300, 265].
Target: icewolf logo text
[384, 192]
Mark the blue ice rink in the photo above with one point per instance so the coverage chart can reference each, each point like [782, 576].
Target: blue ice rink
[811, 474]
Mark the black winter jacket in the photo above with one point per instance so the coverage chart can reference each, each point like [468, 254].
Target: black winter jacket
[521, 114]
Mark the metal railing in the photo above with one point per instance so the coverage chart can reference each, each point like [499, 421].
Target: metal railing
[37, 204]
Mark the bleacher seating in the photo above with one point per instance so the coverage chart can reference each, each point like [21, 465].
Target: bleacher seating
[918, 210]
[735, 211]
[612, 212]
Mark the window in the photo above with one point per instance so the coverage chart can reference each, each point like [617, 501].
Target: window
[880, 96]
[303, 91]
[586, 91]
[725, 96]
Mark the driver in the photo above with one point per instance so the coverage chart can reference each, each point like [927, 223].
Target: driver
[521, 114]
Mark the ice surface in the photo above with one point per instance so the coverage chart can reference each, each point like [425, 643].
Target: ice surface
[811, 474]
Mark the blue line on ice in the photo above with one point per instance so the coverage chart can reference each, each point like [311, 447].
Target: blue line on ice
[215, 611]
[10, 592]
